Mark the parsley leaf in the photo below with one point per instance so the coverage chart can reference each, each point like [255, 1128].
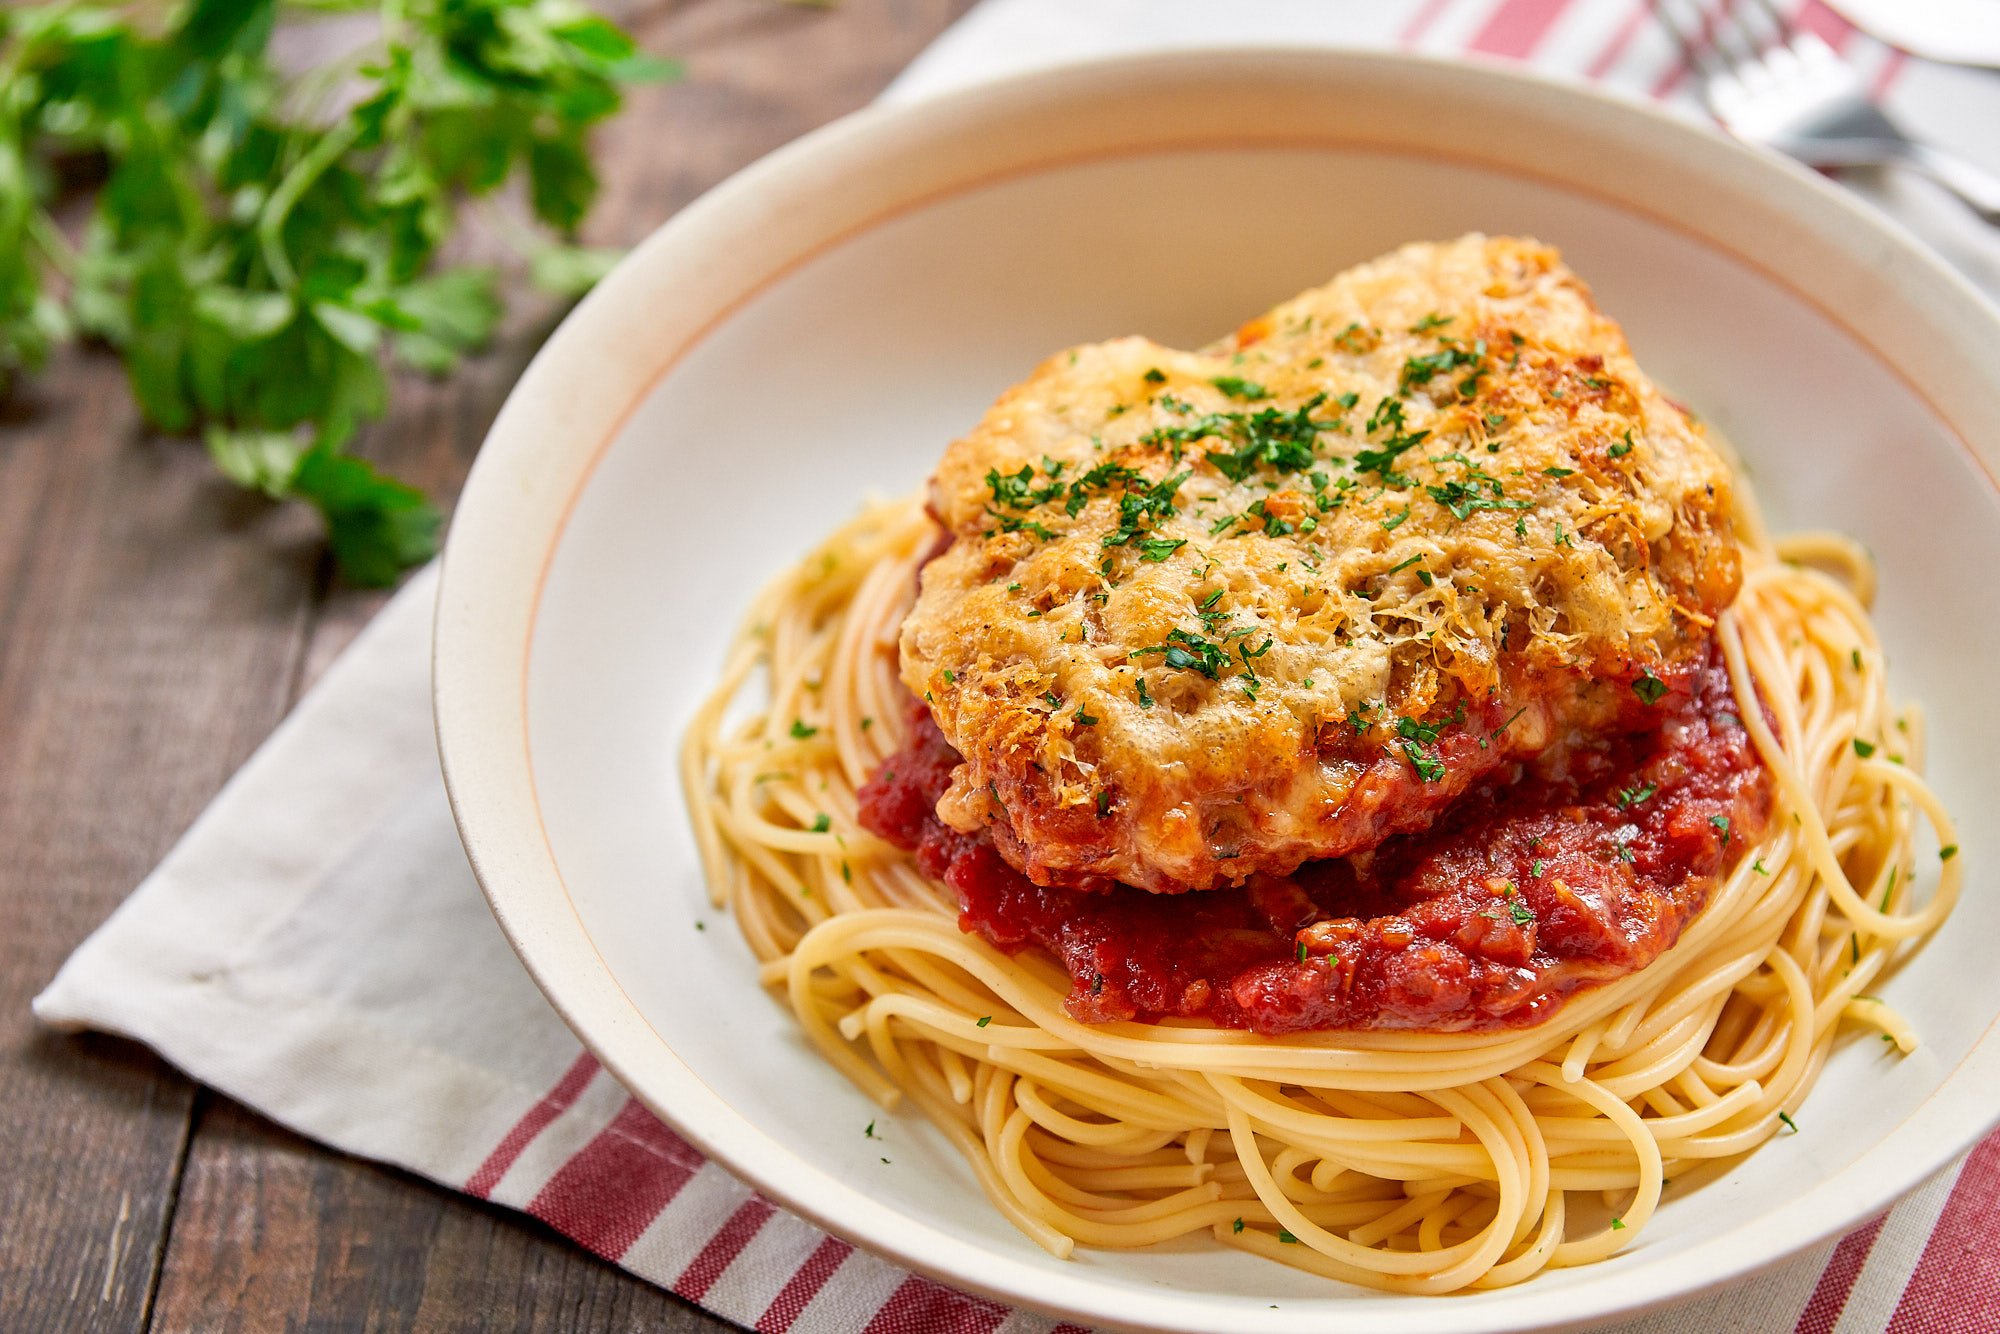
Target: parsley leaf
[1190, 653]
[1283, 440]
[1247, 390]
[1632, 796]
[1428, 767]
[255, 258]
[1464, 499]
[1388, 419]
[1137, 508]
[1422, 370]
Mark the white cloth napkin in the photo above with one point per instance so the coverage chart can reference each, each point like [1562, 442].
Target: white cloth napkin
[316, 947]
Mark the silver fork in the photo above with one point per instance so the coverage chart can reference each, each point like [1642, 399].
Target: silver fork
[1771, 85]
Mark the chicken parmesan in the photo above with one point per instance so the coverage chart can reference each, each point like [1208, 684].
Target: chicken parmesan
[1368, 792]
[1205, 616]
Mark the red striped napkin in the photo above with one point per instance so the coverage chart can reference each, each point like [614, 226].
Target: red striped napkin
[316, 947]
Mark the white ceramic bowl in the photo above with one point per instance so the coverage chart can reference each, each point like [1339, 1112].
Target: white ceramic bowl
[822, 325]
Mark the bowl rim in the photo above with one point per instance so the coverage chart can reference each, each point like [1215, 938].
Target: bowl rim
[483, 645]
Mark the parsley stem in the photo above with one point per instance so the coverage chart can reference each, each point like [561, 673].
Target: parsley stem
[271, 220]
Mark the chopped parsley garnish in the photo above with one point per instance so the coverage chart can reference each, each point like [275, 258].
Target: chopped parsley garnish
[1535, 871]
[1101, 478]
[1617, 1225]
[1145, 696]
[1404, 565]
[1154, 375]
[1558, 472]
[1139, 508]
[1758, 867]
[1157, 549]
[1287, 1238]
[1412, 730]
[1283, 440]
[1622, 448]
[1191, 653]
[1390, 524]
[801, 730]
[822, 822]
[983, 1020]
[1857, 659]
[1428, 767]
[1247, 390]
[1947, 852]
[1301, 954]
[1430, 322]
[1012, 489]
[1790, 1124]
[1422, 370]
[1624, 851]
[1237, 1225]
[1463, 498]
[1721, 824]
[1631, 796]
[1388, 419]
[1649, 688]
[869, 1131]
[1103, 801]
[1522, 914]
[1863, 748]
[1084, 719]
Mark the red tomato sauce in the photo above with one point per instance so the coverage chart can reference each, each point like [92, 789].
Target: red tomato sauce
[1568, 870]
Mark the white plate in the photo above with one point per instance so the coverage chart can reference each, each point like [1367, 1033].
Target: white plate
[821, 326]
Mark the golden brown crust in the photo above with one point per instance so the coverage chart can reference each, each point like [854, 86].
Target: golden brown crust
[1175, 649]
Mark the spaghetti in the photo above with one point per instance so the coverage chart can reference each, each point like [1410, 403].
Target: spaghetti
[1404, 1161]
[1401, 1161]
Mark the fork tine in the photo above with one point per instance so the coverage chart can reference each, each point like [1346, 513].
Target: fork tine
[1732, 37]
[1693, 43]
[1779, 26]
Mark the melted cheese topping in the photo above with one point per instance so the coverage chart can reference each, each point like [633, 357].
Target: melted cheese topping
[1208, 614]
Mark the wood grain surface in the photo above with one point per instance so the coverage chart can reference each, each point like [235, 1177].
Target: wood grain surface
[155, 624]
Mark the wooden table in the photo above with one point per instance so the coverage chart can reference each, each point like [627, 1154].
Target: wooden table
[155, 624]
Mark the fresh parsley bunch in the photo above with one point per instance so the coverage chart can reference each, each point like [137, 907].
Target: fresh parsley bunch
[260, 243]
